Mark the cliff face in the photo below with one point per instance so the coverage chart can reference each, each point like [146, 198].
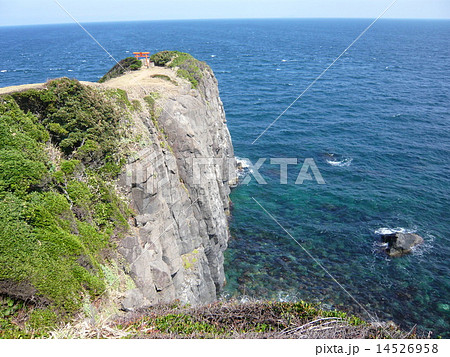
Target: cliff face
[177, 181]
[63, 145]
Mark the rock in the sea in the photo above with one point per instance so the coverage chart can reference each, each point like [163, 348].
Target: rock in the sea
[399, 244]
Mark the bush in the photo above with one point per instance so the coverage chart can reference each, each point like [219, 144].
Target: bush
[80, 121]
[188, 67]
[163, 57]
[17, 173]
[54, 225]
[127, 64]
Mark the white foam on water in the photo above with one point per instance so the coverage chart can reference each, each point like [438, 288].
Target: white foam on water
[245, 163]
[4, 70]
[341, 163]
[384, 230]
[422, 250]
[244, 168]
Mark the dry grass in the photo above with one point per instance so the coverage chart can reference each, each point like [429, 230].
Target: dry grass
[251, 320]
[101, 327]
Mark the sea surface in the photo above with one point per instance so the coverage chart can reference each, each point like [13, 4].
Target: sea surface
[377, 125]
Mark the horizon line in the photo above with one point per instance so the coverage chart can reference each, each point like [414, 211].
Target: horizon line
[232, 18]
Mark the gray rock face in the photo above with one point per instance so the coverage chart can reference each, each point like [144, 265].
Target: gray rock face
[399, 244]
[178, 185]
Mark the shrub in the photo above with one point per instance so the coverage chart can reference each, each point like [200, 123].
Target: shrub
[69, 166]
[79, 120]
[55, 224]
[127, 64]
[162, 58]
[188, 67]
[17, 173]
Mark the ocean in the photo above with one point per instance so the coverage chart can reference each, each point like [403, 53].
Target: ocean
[376, 125]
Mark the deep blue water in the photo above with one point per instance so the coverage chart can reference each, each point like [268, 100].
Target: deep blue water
[382, 111]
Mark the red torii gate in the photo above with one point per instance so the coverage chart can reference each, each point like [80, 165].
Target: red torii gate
[144, 55]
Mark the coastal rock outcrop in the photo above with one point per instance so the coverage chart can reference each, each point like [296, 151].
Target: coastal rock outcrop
[399, 244]
[178, 182]
[125, 178]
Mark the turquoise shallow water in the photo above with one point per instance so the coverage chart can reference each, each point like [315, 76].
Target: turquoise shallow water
[376, 125]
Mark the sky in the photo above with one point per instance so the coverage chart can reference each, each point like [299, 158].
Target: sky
[29, 12]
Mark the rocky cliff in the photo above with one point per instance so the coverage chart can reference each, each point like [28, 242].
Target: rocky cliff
[77, 159]
[177, 180]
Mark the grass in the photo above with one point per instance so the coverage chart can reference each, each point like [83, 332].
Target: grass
[166, 78]
[136, 105]
[152, 107]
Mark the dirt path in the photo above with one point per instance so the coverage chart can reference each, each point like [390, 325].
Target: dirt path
[21, 88]
[142, 82]
[136, 83]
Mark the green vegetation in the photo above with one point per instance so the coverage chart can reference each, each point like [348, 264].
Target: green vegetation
[166, 78]
[79, 121]
[162, 58]
[153, 109]
[58, 213]
[188, 67]
[121, 96]
[9, 312]
[19, 320]
[184, 325]
[127, 64]
[151, 100]
[136, 105]
[42, 320]
[252, 320]
[190, 259]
